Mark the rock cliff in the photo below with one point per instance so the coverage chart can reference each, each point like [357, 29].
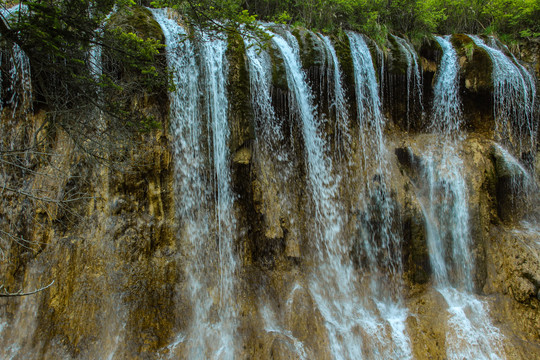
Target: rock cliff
[110, 235]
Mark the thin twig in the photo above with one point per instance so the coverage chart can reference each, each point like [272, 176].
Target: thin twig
[20, 293]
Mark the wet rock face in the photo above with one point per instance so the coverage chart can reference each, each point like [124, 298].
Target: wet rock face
[512, 186]
[475, 63]
[118, 262]
[430, 54]
[514, 275]
[238, 90]
[400, 88]
[476, 84]
[530, 53]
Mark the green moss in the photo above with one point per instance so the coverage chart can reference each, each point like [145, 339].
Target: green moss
[398, 60]
[343, 52]
[239, 92]
[279, 74]
[310, 53]
[138, 20]
[459, 40]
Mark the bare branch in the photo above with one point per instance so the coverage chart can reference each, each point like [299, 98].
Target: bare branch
[5, 293]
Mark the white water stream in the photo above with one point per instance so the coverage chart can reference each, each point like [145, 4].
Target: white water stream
[443, 197]
[210, 259]
[414, 76]
[514, 98]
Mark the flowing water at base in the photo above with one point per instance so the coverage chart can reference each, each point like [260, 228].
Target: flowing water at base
[444, 200]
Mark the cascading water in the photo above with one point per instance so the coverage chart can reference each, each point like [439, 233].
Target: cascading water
[338, 103]
[272, 156]
[514, 97]
[210, 262]
[215, 75]
[443, 198]
[332, 281]
[414, 76]
[333, 285]
[323, 271]
[446, 115]
[94, 60]
[381, 243]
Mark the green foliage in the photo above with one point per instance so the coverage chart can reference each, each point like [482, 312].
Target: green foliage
[415, 18]
[58, 37]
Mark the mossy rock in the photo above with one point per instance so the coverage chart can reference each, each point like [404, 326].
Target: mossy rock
[279, 74]
[239, 93]
[396, 59]
[431, 49]
[312, 51]
[138, 20]
[476, 64]
[343, 52]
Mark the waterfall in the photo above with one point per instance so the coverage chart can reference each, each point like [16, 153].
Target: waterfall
[384, 250]
[272, 155]
[94, 60]
[414, 76]
[367, 99]
[470, 333]
[334, 284]
[446, 114]
[444, 202]
[18, 92]
[281, 218]
[338, 102]
[331, 284]
[381, 242]
[260, 71]
[214, 67]
[514, 94]
[207, 233]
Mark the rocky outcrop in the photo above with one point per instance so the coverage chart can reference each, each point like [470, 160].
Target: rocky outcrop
[513, 186]
[513, 278]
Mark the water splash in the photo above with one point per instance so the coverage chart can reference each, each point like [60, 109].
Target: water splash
[443, 199]
[271, 326]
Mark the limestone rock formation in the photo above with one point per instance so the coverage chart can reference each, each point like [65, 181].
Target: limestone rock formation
[119, 254]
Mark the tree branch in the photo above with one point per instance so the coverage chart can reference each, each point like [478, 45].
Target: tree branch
[5, 293]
